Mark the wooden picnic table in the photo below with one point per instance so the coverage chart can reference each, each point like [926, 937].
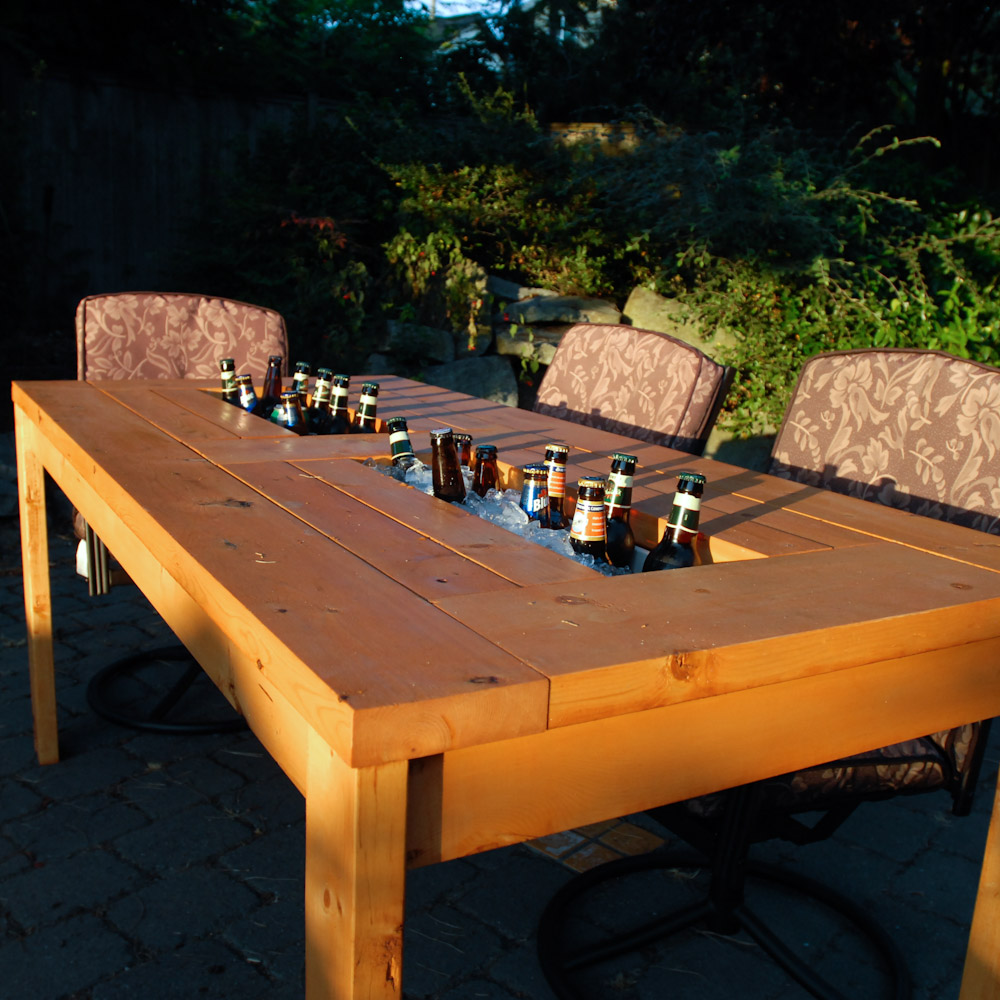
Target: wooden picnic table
[436, 686]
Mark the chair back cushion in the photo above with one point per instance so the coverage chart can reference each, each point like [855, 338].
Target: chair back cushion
[630, 381]
[913, 429]
[167, 335]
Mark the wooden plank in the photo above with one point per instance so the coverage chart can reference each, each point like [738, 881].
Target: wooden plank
[981, 978]
[355, 878]
[37, 591]
[629, 643]
[422, 565]
[171, 412]
[503, 793]
[250, 566]
[473, 538]
[951, 540]
[292, 448]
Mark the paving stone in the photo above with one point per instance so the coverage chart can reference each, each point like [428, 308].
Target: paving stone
[273, 864]
[83, 773]
[271, 804]
[16, 753]
[202, 969]
[181, 907]
[63, 829]
[271, 930]
[61, 960]
[939, 885]
[16, 799]
[443, 946]
[182, 839]
[511, 898]
[477, 989]
[46, 894]
[519, 971]
[157, 794]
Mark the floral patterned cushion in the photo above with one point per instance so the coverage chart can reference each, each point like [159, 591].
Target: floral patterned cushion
[167, 335]
[630, 381]
[913, 429]
[919, 430]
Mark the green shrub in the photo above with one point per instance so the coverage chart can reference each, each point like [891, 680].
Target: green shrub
[793, 243]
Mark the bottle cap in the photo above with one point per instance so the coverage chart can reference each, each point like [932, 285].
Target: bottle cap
[486, 450]
[590, 483]
[440, 433]
[561, 449]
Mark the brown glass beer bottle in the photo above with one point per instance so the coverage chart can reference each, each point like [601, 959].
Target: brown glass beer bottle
[588, 532]
[555, 464]
[446, 473]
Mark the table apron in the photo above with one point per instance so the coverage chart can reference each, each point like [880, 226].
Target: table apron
[487, 796]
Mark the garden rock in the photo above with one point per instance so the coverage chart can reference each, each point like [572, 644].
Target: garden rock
[490, 378]
[413, 340]
[538, 342]
[561, 309]
[649, 311]
[510, 291]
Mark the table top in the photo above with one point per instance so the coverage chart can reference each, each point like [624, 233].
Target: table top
[401, 626]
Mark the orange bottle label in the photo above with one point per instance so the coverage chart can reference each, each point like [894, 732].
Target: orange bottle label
[589, 521]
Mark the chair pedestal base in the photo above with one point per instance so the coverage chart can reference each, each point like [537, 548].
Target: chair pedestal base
[722, 912]
[176, 671]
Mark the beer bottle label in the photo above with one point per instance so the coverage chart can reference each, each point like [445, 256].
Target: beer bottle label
[589, 521]
[684, 512]
[339, 392]
[367, 402]
[534, 498]
[557, 479]
[397, 437]
[618, 482]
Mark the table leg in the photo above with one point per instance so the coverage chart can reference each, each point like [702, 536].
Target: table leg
[355, 877]
[981, 979]
[37, 592]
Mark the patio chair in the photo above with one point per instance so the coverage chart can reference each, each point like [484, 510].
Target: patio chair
[918, 430]
[148, 335]
[647, 385]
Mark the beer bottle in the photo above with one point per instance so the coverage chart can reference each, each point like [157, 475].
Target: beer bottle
[535, 493]
[270, 394]
[318, 415]
[446, 473]
[463, 442]
[227, 369]
[247, 394]
[555, 463]
[340, 416]
[487, 476]
[300, 381]
[621, 541]
[588, 532]
[364, 416]
[399, 443]
[288, 412]
[675, 549]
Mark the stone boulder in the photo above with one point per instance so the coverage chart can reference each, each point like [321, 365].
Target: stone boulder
[505, 291]
[649, 311]
[560, 309]
[538, 342]
[490, 377]
[413, 341]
